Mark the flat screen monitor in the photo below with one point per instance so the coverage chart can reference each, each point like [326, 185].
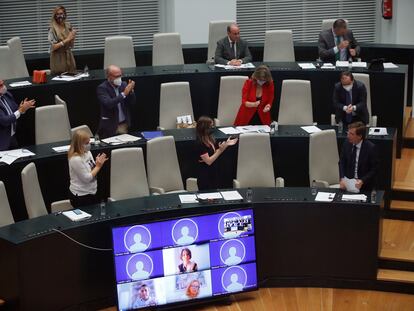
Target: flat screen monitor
[185, 259]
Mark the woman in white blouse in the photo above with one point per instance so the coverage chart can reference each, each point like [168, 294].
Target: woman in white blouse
[83, 170]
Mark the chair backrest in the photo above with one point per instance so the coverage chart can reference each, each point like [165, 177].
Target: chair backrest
[60, 101]
[328, 23]
[162, 164]
[33, 197]
[216, 31]
[167, 49]
[364, 78]
[128, 175]
[17, 58]
[323, 157]
[83, 127]
[6, 66]
[119, 51]
[175, 100]
[6, 216]
[295, 103]
[278, 46]
[254, 161]
[51, 124]
[230, 97]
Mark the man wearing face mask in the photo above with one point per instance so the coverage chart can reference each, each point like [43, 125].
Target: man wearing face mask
[9, 113]
[350, 100]
[115, 98]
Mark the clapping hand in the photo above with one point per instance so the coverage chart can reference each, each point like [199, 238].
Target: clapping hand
[101, 159]
[344, 44]
[349, 109]
[26, 105]
[129, 88]
[266, 108]
[235, 62]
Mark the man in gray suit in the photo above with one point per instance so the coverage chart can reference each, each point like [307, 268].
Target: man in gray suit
[232, 50]
[338, 43]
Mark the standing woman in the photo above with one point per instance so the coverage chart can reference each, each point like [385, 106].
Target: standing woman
[209, 151]
[257, 99]
[61, 38]
[83, 170]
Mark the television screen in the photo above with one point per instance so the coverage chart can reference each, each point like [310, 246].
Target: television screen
[184, 259]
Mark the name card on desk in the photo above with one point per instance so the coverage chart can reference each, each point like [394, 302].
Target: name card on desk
[325, 197]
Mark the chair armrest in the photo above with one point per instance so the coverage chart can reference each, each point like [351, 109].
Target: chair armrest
[321, 184]
[216, 122]
[191, 184]
[236, 183]
[58, 206]
[111, 199]
[333, 120]
[156, 190]
[280, 182]
[374, 120]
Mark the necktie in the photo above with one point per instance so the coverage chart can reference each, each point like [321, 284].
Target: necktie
[9, 112]
[232, 50]
[348, 102]
[353, 160]
[338, 54]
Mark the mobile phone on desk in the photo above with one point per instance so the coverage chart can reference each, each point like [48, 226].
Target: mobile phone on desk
[77, 211]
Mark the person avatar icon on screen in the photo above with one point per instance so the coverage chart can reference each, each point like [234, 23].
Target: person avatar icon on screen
[232, 259]
[234, 286]
[140, 274]
[185, 238]
[138, 246]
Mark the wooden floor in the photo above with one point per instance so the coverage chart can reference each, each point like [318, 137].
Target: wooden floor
[314, 299]
[404, 170]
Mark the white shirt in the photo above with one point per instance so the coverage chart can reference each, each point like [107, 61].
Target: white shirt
[358, 150]
[343, 53]
[81, 180]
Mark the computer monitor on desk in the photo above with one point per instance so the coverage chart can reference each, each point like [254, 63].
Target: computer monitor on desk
[184, 260]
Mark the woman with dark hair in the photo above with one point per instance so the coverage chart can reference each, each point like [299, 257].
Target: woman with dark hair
[61, 38]
[187, 265]
[208, 152]
[257, 99]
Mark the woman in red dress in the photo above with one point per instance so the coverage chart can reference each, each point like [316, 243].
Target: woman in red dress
[257, 99]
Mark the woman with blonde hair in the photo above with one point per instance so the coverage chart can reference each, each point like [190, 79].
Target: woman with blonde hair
[193, 289]
[257, 99]
[62, 38]
[83, 170]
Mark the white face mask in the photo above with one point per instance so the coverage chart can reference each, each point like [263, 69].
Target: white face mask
[3, 90]
[117, 81]
[261, 82]
[347, 87]
[87, 147]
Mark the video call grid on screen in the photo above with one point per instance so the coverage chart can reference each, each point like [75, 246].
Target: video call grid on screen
[182, 259]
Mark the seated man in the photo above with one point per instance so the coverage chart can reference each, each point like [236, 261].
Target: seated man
[350, 100]
[338, 43]
[358, 159]
[9, 113]
[115, 99]
[232, 50]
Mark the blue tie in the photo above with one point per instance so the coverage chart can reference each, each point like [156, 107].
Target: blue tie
[9, 112]
[348, 102]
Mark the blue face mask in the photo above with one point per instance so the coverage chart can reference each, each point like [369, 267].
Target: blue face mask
[87, 147]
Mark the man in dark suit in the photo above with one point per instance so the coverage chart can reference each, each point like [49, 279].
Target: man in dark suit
[338, 43]
[359, 159]
[115, 98]
[9, 113]
[350, 100]
[232, 50]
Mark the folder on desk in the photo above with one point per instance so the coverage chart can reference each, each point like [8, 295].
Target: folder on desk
[152, 134]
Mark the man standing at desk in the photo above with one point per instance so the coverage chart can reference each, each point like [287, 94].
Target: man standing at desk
[115, 98]
[350, 100]
[9, 113]
[232, 50]
[359, 159]
[338, 43]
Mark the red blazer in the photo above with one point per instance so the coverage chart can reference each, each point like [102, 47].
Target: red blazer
[245, 114]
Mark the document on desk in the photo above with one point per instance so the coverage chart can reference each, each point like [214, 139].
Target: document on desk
[20, 83]
[188, 198]
[378, 131]
[61, 148]
[9, 156]
[121, 139]
[328, 66]
[77, 216]
[232, 195]
[354, 197]
[209, 196]
[68, 78]
[311, 129]
[306, 65]
[390, 66]
[350, 185]
[325, 196]
[229, 130]
[342, 63]
[253, 129]
[359, 64]
[230, 67]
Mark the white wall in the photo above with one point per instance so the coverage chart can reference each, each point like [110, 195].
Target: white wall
[191, 17]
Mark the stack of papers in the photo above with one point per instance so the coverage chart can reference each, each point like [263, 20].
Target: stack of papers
[378, 131]
[350, 185]
[121, 139]
[9, 156]
[359, 64]
[242, 66]
[342, 63]
[188, 198]
[253, 129]
[209, 196]
[229, 130]
[311, 129]
[61, 148]
[307, 66]
[327, 66]
[390, 66]
[354, 197]
[70, 78]
[325, 196]
[152, 134]
[76, 216]
[233, 195]
[20, 83]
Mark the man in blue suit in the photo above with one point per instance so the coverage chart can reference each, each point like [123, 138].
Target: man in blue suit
[9, 113]
[115, 98]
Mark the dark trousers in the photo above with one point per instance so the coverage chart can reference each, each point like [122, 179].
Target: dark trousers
[82, 200]
[13, 143]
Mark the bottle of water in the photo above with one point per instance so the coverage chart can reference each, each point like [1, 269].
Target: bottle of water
[314, 191]
[86, 70]
[272, 128]
[103, 208]
[211, 63]
[373, 196]
[249, 195]
[340, 127]
[276, 126]
[97, 140]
